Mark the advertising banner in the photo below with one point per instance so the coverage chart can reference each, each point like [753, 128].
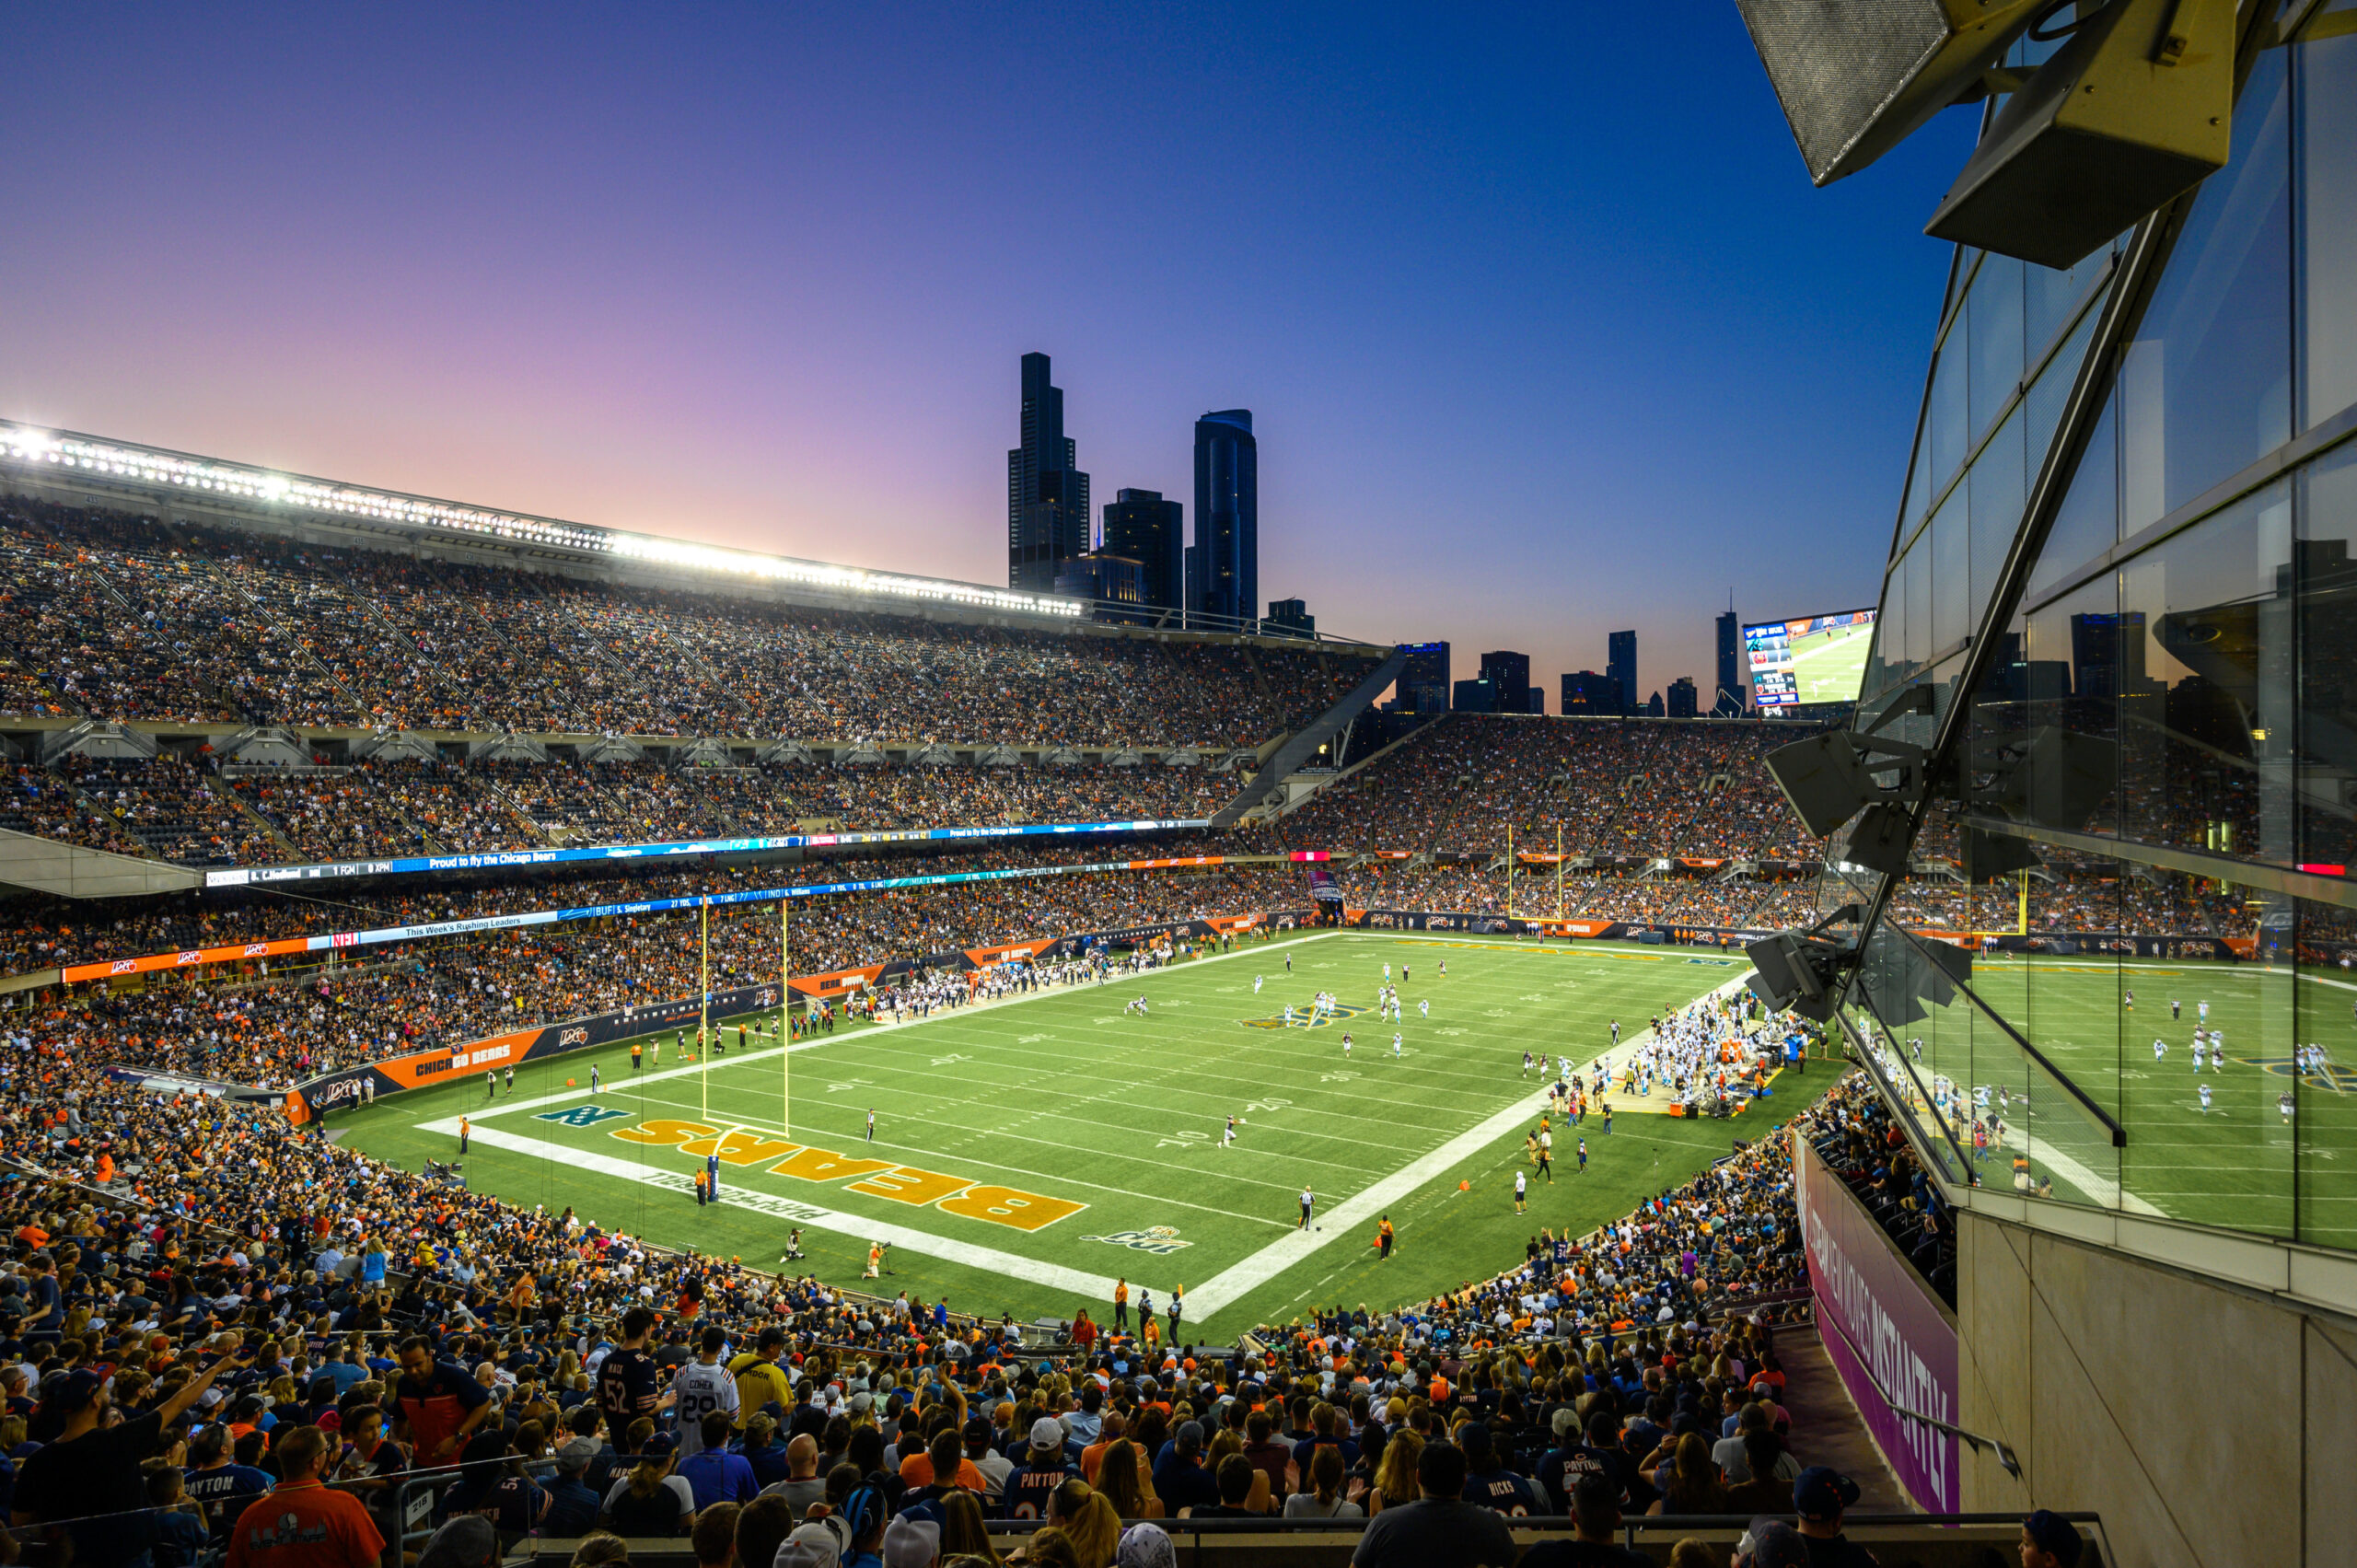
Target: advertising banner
[255, 876]
[1891, 1340]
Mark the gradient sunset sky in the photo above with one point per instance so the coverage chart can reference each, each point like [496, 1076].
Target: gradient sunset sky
[1543, 329]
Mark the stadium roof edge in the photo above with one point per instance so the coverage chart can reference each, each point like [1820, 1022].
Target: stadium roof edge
[115, 472]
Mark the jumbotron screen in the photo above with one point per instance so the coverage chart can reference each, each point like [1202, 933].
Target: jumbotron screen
[1816, 658]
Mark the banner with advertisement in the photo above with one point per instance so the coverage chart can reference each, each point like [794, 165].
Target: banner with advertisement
[1892, 1341]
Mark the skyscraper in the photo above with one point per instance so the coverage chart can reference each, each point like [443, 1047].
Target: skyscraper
[1621, 663]
[1047, 495]
[1226, 570]
[1508, 674]
[1141, 525]
[1729, 701]
[1423, 685]
[1586, 691]
[1682, 697]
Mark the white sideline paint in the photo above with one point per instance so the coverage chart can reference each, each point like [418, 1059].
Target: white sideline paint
[1363, 1206]
[1087, 1286]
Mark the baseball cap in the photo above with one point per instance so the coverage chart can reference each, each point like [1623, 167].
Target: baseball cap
[573, 1456]
[661, 1446]
[1821, 1493]
[1771, 1543]
[912, 1543]
[2052, 1533]
[74, 1390]
[1565, 1419]
[1047, 1433]
[977, 1429]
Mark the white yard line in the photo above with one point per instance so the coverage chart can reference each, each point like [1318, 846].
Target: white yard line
[1365, 1206]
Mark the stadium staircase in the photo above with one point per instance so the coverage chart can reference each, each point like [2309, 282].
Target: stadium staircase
[1298, 747]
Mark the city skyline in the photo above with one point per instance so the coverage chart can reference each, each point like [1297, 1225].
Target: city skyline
[484, 257]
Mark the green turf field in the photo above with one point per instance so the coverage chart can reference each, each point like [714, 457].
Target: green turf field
[2238, 1163]
[1028, 1152]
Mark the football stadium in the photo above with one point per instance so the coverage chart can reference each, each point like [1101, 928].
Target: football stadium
[543, 1041]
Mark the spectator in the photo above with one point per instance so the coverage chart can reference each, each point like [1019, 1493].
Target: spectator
[713, 1473]
[1322, 1499]
[651, 1501]
[573, 1506]
[1440, 1529]
[301, 1523]
[803, 1484]
[714, 1537]
[90, 1471]
[441, 1404]
[1818, 1497]
[471, 1541]
[2049, 1540]
[1596, 1524]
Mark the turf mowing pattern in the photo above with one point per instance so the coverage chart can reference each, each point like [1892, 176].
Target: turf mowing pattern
[2238, 1165]
[1062, 1099]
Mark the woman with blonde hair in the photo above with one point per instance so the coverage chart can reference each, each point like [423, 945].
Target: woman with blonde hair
[1689, 1481]
[1096, 1532]
[1121, 1482]
[962, 1531]
[1395, 1482]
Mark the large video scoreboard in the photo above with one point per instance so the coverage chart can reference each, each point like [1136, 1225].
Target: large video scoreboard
[1815, 659]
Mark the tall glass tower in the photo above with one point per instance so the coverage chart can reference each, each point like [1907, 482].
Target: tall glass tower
[1226, 578]
[1047, 495]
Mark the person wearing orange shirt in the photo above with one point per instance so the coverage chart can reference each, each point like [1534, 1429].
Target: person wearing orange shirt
[301, 1523]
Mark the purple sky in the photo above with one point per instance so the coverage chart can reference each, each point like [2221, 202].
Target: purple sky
[1543, 329]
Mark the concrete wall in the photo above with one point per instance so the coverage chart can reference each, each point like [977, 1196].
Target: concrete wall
[2209, 1425]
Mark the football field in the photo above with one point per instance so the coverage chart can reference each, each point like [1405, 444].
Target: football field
[1830, 666]
[1028, 1152]
[2238, 1162]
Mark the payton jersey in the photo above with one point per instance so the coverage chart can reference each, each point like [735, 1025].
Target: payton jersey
[701, 1389]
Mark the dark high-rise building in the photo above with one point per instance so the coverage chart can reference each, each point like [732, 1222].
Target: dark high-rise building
[1654, 709]
[1728, 703]
[1621, 663]
[1047, 495]
[1682, 698]
[1142, 527]
[1225, 572]
[1290, 618]
[1423, 685]
[1586, 691]
[1509, 675]
[1117, 583]
[1475, 696]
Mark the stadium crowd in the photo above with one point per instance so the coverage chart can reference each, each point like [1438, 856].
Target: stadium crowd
[276, 1022]
[186, 810]
[105, 613]
[1615, 789]
[265, 1308]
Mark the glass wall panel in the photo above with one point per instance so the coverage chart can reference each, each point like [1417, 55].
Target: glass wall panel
[2052, 390]
[2322, 1076]
[2202, 663]
[2206, 1144]
[2329, 658]
[2049, 297]
[2328, 155]
[1997, 487]
[1952, 568]
[2088, 521]
[2068, 773]
[1917, 574]
[2206, 387]
[1995, 322]
[1949, 418]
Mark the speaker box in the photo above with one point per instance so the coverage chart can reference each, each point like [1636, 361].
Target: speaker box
[2136, 107]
